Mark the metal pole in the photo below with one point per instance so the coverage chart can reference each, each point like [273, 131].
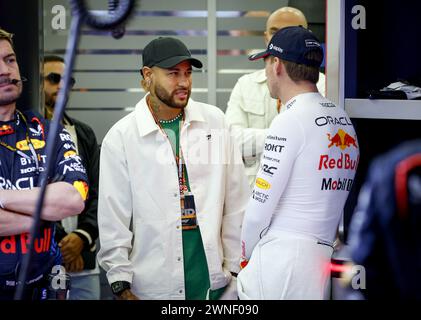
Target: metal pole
[212, 66]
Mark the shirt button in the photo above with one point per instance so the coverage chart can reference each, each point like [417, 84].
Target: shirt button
[181, 291]
[178, 227]
[179, 259]
[175, 195]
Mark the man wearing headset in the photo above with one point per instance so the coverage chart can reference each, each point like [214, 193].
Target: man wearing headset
[22, 159]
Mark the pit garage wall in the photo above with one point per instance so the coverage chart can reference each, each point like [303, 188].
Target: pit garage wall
[360, 59]
[221, 33]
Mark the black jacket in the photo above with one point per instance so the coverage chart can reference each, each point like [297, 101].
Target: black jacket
[87, 221]
[385, 233]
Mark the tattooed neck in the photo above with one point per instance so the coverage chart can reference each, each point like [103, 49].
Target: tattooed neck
[160, 110]
[155, 105]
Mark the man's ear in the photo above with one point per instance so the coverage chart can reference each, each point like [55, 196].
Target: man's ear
[146, 72]
[278, 65]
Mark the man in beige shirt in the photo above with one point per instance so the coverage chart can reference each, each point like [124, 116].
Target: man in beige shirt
[250, 109]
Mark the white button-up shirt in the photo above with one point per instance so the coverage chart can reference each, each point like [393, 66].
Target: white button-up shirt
[139, 211]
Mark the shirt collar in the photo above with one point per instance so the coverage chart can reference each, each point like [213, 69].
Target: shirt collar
[260, 76]
[146, 122]
[193, 112]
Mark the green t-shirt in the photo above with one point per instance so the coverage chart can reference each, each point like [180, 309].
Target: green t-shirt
[196, 273]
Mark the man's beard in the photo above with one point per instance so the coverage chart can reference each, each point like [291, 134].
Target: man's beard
[50, 100]
[169, 99]
[7, 100]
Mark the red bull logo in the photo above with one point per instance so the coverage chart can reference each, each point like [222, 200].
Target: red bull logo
[342, 140]
[9, 245]
[6, 129]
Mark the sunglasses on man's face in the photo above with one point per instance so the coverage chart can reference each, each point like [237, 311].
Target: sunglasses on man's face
[55, 78]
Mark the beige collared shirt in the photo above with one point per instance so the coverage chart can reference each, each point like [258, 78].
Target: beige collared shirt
[250, 112]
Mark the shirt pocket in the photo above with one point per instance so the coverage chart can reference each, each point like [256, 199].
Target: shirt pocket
[255, 109]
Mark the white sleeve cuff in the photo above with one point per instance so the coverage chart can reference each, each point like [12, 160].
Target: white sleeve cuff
[87, 235]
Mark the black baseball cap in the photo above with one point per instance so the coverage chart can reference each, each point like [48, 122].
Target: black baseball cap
[166, 52]
[292, 44]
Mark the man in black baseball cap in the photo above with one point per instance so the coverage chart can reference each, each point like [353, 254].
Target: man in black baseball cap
[162, 167]
[167, 76]
[166, 52]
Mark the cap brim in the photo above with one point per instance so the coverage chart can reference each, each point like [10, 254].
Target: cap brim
[171, 62]
[259, 55]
